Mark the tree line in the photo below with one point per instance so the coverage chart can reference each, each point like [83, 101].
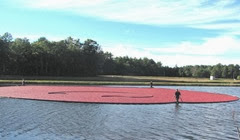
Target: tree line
[71, 57]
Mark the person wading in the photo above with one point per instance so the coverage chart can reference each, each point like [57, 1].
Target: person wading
[177, 95]
[151, 84]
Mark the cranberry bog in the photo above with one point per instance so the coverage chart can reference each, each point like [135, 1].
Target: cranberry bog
[111, 95]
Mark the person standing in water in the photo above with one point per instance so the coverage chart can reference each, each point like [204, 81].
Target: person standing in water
[151, 84]
[23, 82]
[177, 95]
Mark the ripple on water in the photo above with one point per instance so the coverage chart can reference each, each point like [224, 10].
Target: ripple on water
[26, 119]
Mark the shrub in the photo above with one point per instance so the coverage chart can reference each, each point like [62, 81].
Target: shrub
[238, 77]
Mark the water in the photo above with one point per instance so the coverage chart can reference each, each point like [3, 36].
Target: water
[42, 120]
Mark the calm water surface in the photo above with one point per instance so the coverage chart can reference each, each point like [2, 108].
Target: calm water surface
[29, 119]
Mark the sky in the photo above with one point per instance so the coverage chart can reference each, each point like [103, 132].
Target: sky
[174, 32]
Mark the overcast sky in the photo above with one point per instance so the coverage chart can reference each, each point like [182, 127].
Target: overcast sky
[175, 32]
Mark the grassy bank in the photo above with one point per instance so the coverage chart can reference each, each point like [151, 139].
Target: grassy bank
[119, 80]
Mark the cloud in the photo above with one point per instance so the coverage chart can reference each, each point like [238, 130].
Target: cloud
[210, 52]
[126, 50]
[60, 4]
[184, 60]
[181, 12]
[210, 46]
[220, 15]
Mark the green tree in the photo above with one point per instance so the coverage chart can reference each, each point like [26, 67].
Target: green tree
[231, 71]
[42, 55]
[109, 64]
[21, 57]
[93, 57]
[217, 70]
[5, 42]
[187, 71]
[225, 72]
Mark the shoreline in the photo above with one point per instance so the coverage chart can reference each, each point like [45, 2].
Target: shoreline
[115, 80]
[2, 84]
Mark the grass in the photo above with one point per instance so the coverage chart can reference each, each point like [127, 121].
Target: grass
[118, 80]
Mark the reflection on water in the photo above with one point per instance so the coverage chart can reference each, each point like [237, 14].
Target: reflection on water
[28, 119]
[177, 107]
